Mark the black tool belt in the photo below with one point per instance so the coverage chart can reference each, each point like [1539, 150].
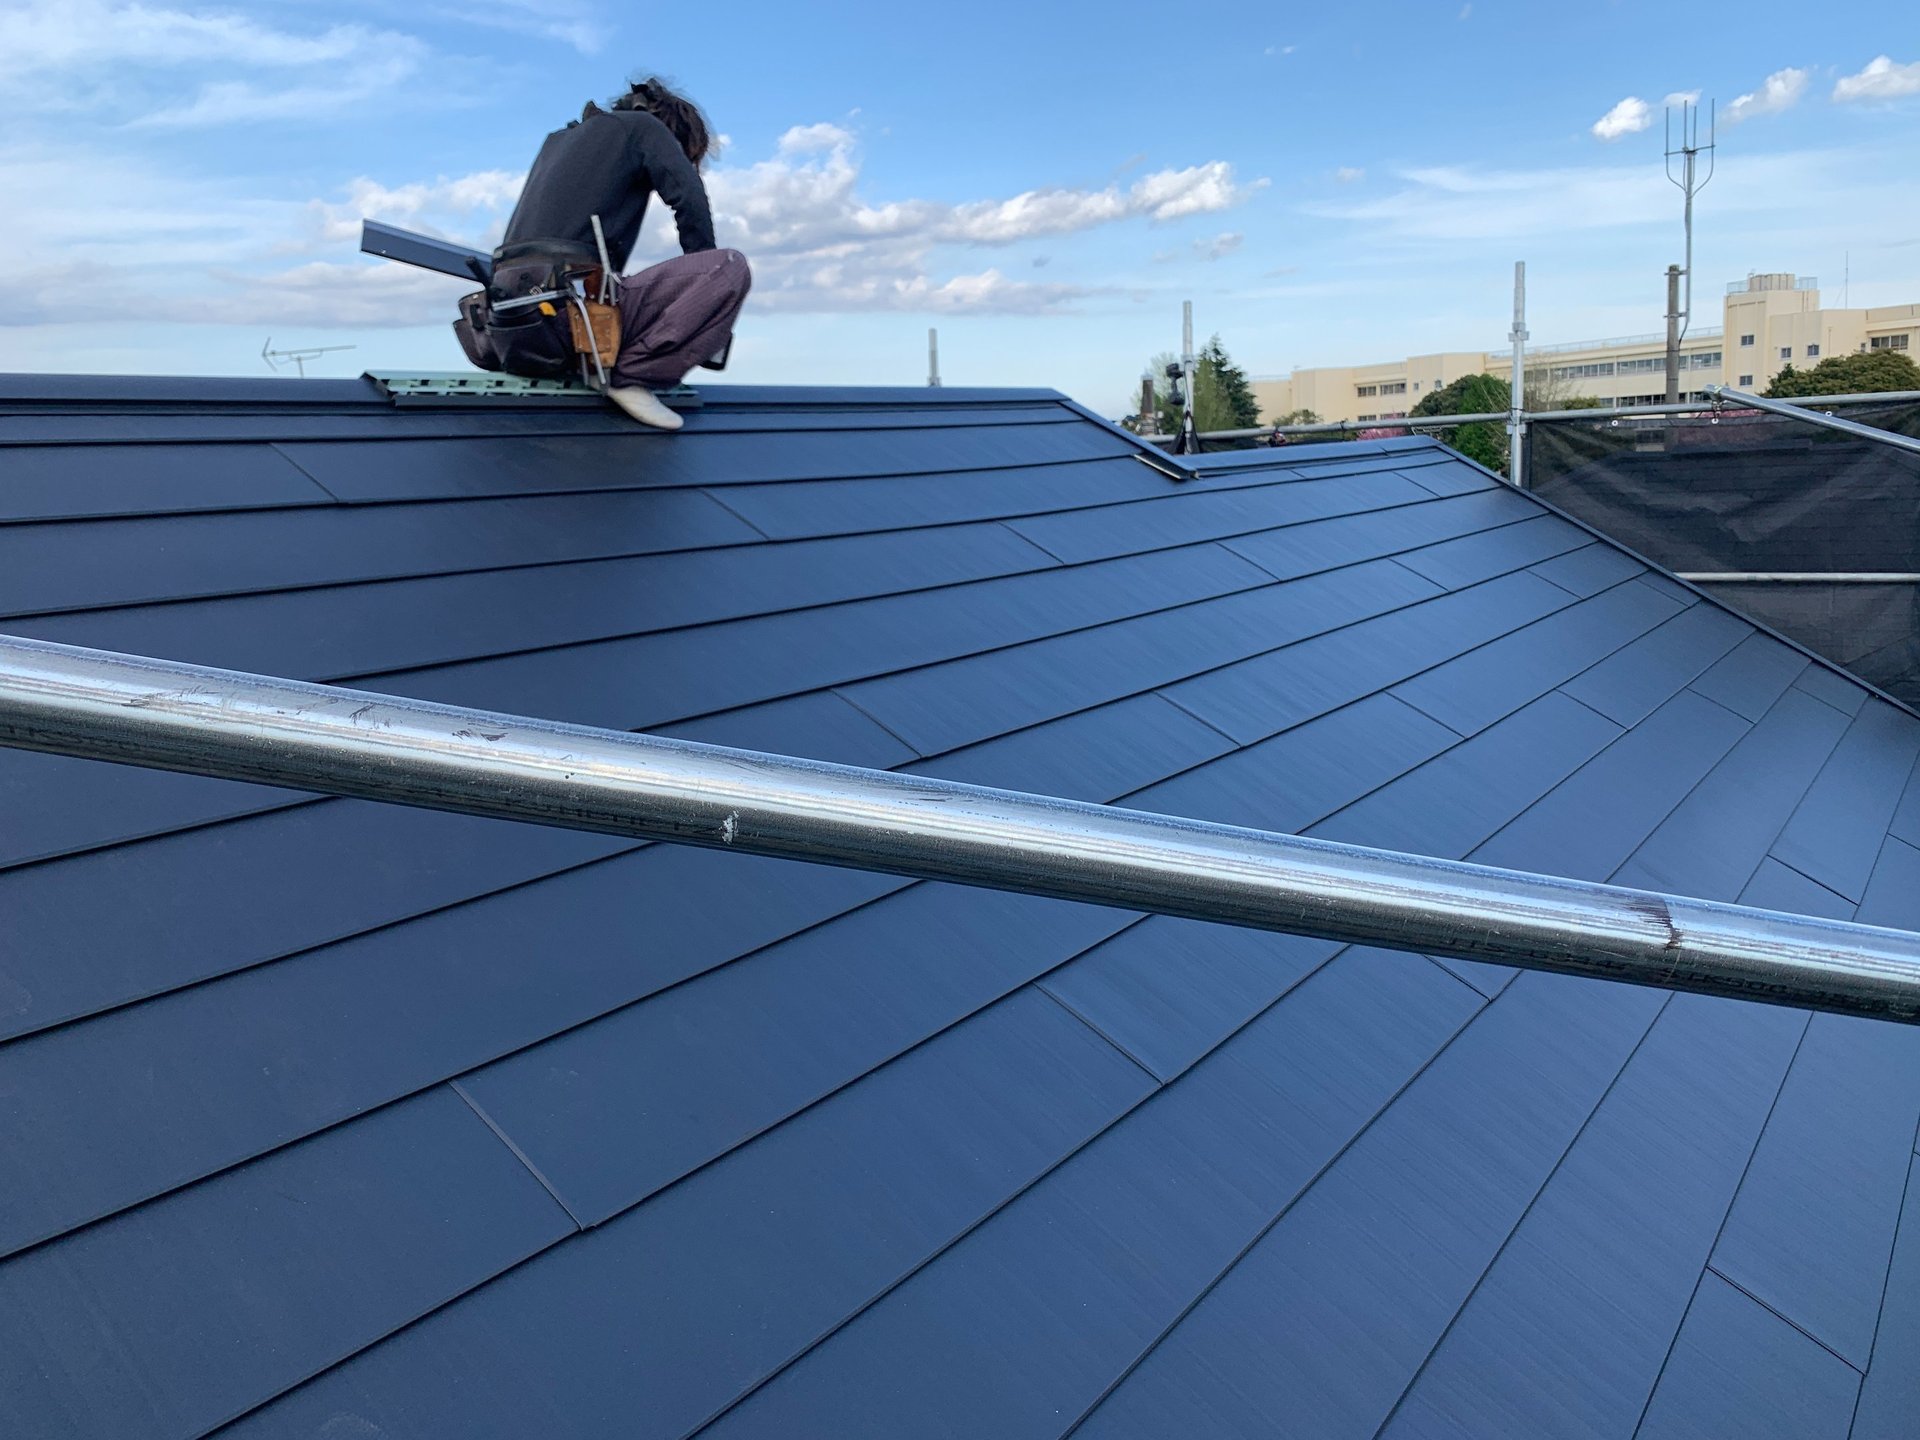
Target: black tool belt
[521, 323]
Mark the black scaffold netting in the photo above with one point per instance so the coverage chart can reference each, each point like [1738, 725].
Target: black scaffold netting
[1749, 492]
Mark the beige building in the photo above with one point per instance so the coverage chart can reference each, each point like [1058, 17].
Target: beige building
[1769, 322]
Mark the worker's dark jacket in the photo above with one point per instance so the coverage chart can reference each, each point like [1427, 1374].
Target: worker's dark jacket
[610, 163]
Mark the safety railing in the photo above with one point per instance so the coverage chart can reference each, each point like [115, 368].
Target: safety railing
[171, 716]
[1808, 411]
[1806, 408]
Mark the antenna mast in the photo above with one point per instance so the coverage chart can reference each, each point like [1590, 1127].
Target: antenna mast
[298, 357]
[1690, 182]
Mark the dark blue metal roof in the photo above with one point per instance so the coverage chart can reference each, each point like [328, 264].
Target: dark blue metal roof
[324, 1118]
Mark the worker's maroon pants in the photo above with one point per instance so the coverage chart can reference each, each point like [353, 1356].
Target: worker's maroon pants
[676, 314]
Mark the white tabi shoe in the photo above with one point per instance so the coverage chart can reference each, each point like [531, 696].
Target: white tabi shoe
[645, 406]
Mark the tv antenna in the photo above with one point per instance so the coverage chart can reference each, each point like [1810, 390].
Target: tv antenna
[1690, 183]
[298, 358]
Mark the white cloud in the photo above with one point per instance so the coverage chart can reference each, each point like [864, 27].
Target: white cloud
[573, 22]
[1457, 207]
[1466, 11]
[1629, 117]
[469, 207]
[1682, 97]
[808, 139]
[1349, 174]
[148, 62]
[1779, 91]
[217, 253]
[1881, 80]
[239, 102]
[44, 35]
[1221, 245]
[1281, 49]
[818, 244]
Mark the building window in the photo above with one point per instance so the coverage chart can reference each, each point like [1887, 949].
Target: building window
[1366, 390]
[1813, 352]
[1887, 342]
[1397, 387]
[1746, 381]
[1366, 417]
[1786, 352]
[1582, 372]
[1707, 360]
[1745, 340]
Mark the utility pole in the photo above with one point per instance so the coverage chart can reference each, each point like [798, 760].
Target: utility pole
[1148, 410]
[1690, 182]
[1187, 360]
[1673, 334]
[1517, 398]
[933, 359]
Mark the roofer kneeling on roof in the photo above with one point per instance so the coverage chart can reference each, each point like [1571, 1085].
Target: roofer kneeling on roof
[670, 317]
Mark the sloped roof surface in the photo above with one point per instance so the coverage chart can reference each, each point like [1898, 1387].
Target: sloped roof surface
[324, 1118]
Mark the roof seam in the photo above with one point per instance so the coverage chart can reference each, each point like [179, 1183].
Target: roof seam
[1199, 719]
[537, 427]
[1673, 1341]
[1549, 617]
[839, 693]
[1306, 1187]
[1694, 788]
[1455, 974]
[1847, 900]
[1520, 1221]
[1534, 569]
[1009, 1201]
[1039, 570]
[626, 1210]
[1785, 1319]
[708, 491]
[1041, 985]
[318, 945]
[576, 561]
[1886, 1283]
[311, 478]
[1561, 690]
[518, 1154]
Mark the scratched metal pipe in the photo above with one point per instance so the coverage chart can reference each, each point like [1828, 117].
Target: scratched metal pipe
[157, 713]
[1804, 410]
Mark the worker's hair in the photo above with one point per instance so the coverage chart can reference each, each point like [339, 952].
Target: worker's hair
[673, 110]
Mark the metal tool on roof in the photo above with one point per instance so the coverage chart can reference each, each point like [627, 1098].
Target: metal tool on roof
[135, 710]
[463, 262]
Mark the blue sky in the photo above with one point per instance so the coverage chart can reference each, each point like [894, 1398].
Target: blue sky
[1045, 184]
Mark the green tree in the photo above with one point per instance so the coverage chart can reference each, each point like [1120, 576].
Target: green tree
[1297, 417]
[1484, 441]
[1867, 372]
[1222, 396]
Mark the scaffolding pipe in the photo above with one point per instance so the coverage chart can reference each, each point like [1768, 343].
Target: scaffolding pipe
[1602, 412]
[163, 714]
[1334, 427]
[1517, 388]
[1814, 417]
[1800, 577]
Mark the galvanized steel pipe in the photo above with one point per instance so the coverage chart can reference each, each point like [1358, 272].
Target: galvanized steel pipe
[188, 718]
[1803, 410]
[1605, 412]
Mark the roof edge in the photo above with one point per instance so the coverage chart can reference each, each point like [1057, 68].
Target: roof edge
[120, 391]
